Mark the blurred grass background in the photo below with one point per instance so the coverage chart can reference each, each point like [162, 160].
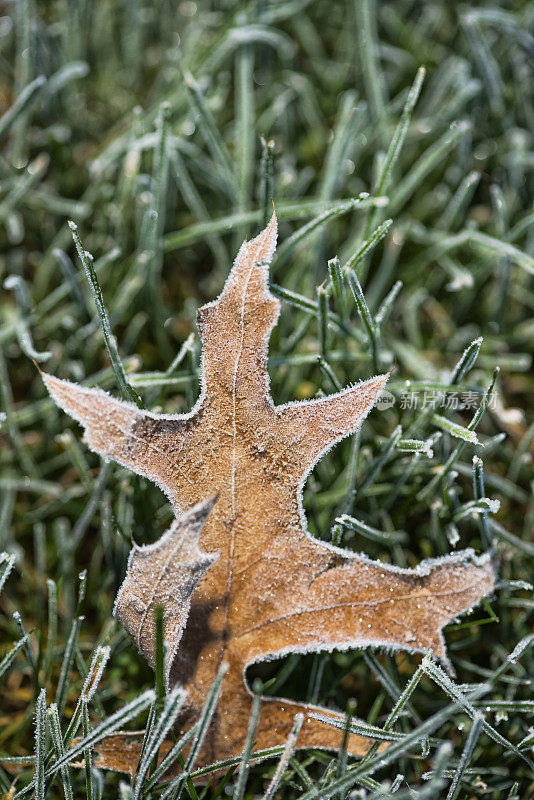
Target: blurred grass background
[162, 129]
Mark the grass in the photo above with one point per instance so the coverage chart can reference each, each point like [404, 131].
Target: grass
[144, 124]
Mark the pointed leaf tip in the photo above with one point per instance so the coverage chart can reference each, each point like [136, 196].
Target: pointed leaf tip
[262, 247]
[381, 380]
[192, 521]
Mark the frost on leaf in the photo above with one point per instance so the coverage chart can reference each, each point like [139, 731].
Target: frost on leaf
[274, 589]
[164, 574]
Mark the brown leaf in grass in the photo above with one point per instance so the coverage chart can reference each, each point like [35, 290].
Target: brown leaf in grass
[274, 589]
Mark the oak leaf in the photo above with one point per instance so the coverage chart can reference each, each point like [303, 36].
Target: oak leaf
[274, 589]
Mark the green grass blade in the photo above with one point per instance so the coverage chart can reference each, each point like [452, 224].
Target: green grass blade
[24, 102]
[40, 745]
[111, 344]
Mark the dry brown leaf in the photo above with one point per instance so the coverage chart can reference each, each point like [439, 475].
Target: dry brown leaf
[274, 589]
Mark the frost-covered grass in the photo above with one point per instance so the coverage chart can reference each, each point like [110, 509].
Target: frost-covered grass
[141, 122]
